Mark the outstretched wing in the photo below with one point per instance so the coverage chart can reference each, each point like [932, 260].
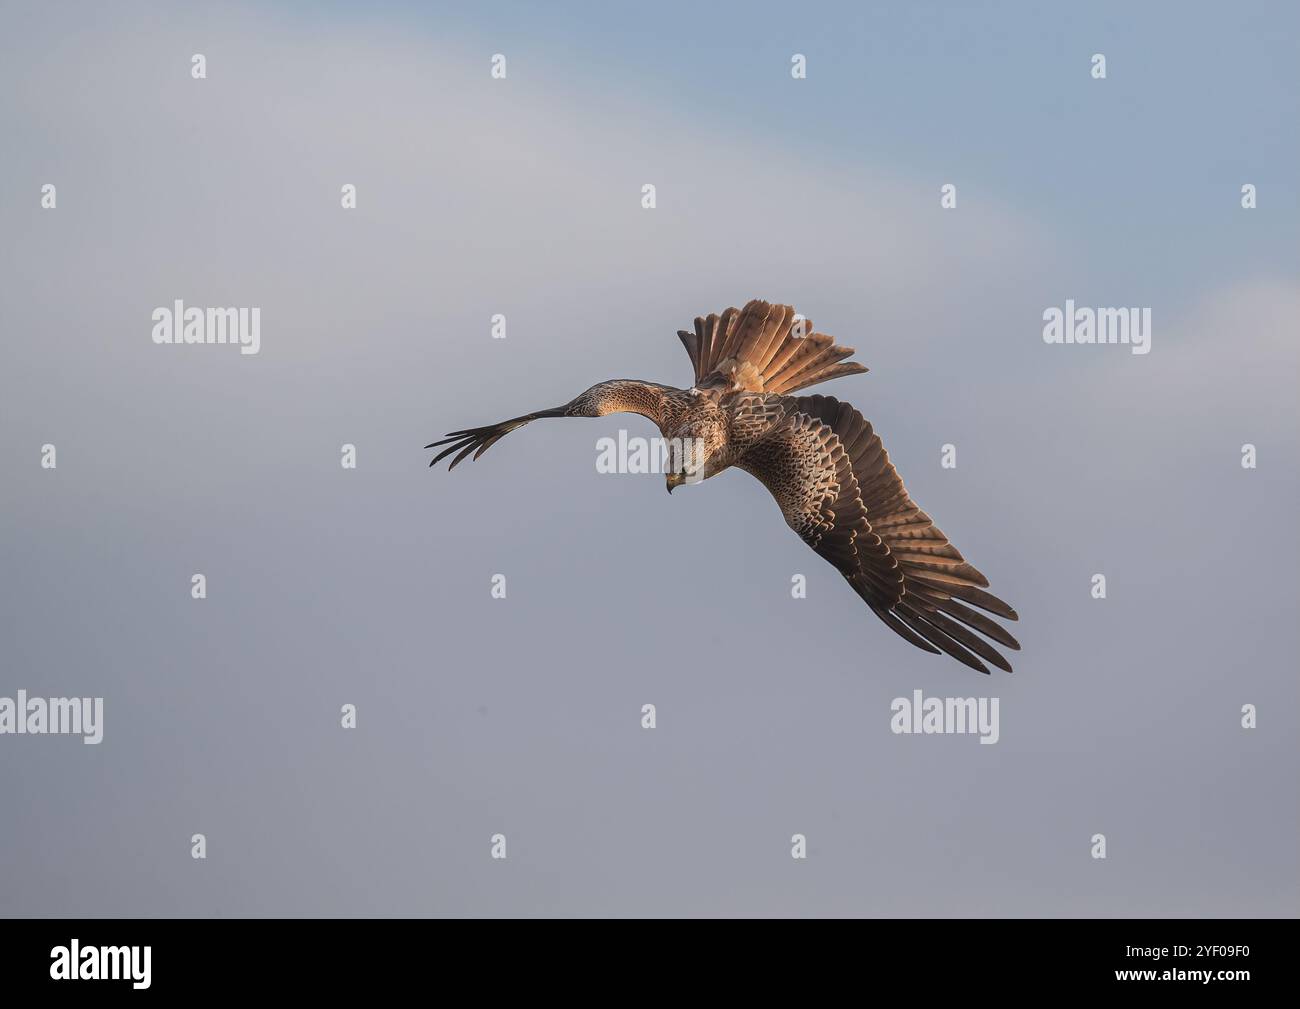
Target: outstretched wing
[621, 395]
[837, 489]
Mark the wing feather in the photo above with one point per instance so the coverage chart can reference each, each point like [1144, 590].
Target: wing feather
[623, 395]
[836, 487]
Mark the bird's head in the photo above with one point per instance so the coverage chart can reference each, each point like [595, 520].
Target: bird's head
[684, 461]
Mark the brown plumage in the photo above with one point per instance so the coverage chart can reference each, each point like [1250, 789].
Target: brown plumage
[819, 458]
[766, 348]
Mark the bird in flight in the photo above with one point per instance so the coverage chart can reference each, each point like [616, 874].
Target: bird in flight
[818, 457]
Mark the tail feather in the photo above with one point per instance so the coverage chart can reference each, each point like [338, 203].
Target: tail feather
[764, 348]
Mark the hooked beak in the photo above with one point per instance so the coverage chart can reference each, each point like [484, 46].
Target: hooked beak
[674, 480]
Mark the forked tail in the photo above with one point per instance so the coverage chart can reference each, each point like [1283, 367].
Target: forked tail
[764, 348]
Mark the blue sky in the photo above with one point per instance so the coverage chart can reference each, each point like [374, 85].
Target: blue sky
[1199, 98]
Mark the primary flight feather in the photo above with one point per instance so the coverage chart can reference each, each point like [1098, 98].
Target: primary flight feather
[819, 458]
